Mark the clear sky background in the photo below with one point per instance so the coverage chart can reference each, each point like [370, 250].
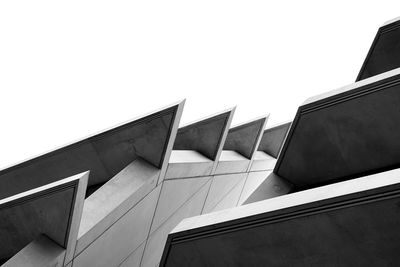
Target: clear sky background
[69, 69]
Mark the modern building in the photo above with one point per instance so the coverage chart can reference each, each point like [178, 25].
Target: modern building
[322, 190]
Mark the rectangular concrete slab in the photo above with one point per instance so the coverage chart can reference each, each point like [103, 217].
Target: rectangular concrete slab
[357, 219]
[104, 154]
[343, 134]
[384, 54]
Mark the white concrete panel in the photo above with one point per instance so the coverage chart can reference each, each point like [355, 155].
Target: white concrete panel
[231, 162]
[188, 163]
[262, 162]
[221, 185]
[183, 170]
[123, 237]
[231, 199]
[156, 241]
[174, 194]
[134, 258]
[111, 201]
[253, 181]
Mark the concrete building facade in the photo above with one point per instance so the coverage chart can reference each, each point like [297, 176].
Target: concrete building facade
[322, 190]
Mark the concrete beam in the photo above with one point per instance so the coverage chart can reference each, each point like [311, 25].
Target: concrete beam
[357, 220]
[384, 54]
[344, 134]
[105, 154]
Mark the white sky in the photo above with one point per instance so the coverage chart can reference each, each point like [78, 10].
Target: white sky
[72, 68]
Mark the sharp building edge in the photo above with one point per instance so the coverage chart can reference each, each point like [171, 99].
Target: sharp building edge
[320, 190]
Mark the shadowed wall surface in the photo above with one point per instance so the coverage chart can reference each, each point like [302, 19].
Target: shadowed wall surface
[344, 134]
[104, 155]
[384, 54]
[354, 223]
[272, 139]
[204, 136]
[243, 138]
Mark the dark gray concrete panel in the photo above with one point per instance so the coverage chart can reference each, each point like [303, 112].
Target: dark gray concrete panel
[347, 133]
[346, 224]
[384, 54]
[53, 210]
[273, 138]
[204, 136]
[244, 138]
[104, 154]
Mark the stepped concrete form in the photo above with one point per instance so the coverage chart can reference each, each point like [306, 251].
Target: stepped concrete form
[321, 190]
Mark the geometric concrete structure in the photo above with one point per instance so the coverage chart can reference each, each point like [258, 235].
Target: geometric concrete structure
[193, 159]
[105, 154]
[321, 190]
[270, 145]
[327, 195]
[45, 216]
[384, 54]
[273, 138]
[344, 134]
[335, 225]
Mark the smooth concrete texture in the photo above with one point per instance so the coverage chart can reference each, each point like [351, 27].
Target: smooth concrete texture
[253, 181]
[134, 258]
[384, 54]
[42, 252]
[174, 194]
[352, 223]
[221, 187]
[53, 210]
[262, 162]
[244, 138]
[231, 162]
[230, 200]
[273, 138]
[188, 163]
[110, 202]
[271, 186]
[124, 237]
[104, 154]
[156, 241]
[204, 136]
[344, 134]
